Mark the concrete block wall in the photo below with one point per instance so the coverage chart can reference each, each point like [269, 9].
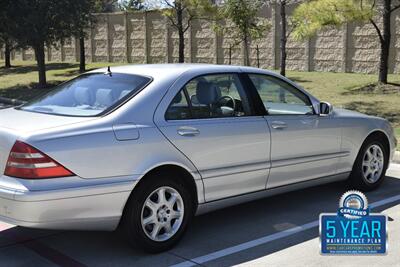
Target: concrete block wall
[363, 51]
[117, 38]
[147, 37]
[228, 49]
[136, 44]
[203, 43]
[395, 50]
[326, 51]
[298, 53]
[100, 42]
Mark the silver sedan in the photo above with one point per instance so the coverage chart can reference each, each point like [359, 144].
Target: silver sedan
[146, 147]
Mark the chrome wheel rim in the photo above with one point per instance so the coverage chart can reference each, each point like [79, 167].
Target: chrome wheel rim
[162, 214]
[373, 163]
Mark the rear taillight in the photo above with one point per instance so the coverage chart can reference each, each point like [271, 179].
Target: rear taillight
[26, 161]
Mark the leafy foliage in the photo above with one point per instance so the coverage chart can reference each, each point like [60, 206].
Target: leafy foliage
[247, 25]
[7, 25]
[189, 10]
[181, 14]
[132, 5]
[244, 15]
[40, 23]
[314, 15]
[84, 18]
[49, 21]
[105, 6]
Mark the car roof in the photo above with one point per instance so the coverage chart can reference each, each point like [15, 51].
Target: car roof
[176, 69]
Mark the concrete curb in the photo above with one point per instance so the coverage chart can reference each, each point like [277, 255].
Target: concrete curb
[11, 101]
[396, 157]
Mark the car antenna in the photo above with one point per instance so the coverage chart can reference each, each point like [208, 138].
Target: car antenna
[108, 71]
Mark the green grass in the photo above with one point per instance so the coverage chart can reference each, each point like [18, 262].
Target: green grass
[20, 81]
[348, 90]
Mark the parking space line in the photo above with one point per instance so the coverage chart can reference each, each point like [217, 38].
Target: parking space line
[5, 226]
[385, 201]
[266, 239]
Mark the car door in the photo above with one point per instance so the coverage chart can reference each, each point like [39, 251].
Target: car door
[304, 145]
[210, 120]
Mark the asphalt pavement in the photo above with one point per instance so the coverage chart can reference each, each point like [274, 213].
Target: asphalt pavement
[276, 231]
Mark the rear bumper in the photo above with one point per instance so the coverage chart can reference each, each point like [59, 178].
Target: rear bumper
[69, 203]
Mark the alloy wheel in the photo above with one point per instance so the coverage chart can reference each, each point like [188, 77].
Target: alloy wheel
[373, 163]
[162, 214]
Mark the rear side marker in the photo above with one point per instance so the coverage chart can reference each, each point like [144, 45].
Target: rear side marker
[27, 162]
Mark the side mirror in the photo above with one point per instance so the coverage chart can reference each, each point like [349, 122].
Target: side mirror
[325, 108]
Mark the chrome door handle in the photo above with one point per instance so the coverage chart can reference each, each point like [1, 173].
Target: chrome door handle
[278, 125]
[188, 131]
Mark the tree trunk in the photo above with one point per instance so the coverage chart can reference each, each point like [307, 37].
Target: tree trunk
[384, 62]
[181, 46]
[246, 51]
[7, 55]
[283, 38]
[181, 35]
[40, 59]
[82, 59]
[385, 43]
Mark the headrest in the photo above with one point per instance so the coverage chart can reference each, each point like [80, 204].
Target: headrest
[177, 98]
[194, 100]
[82, 95]
[104, 97]
[123, 94]
[207, 93]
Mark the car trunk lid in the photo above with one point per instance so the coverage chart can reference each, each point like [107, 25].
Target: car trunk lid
[15, 124]
[26, 121]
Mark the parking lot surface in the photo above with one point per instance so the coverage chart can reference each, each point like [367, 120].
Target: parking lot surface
[276, 231]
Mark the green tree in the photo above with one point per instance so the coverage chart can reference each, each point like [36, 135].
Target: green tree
[7, 27]
[106, 6]
[247, 24]
[181, 14]
[42, 23]
[83, 21]
[132, 5]
[286, 27]
[6, 44]
[315, 15]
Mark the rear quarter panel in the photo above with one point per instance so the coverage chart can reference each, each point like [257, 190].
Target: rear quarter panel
[92, 151]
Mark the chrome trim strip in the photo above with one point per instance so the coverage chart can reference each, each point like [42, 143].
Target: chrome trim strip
[248, 167]
[300, 160]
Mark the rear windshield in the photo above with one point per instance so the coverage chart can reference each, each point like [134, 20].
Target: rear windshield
[88, 95]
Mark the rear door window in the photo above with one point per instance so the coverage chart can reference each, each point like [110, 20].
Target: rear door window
[210, 96]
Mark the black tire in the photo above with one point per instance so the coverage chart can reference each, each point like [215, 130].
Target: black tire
[357, 178]
[131, 226]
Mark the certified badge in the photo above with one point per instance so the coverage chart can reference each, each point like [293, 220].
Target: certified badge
[353, 229]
